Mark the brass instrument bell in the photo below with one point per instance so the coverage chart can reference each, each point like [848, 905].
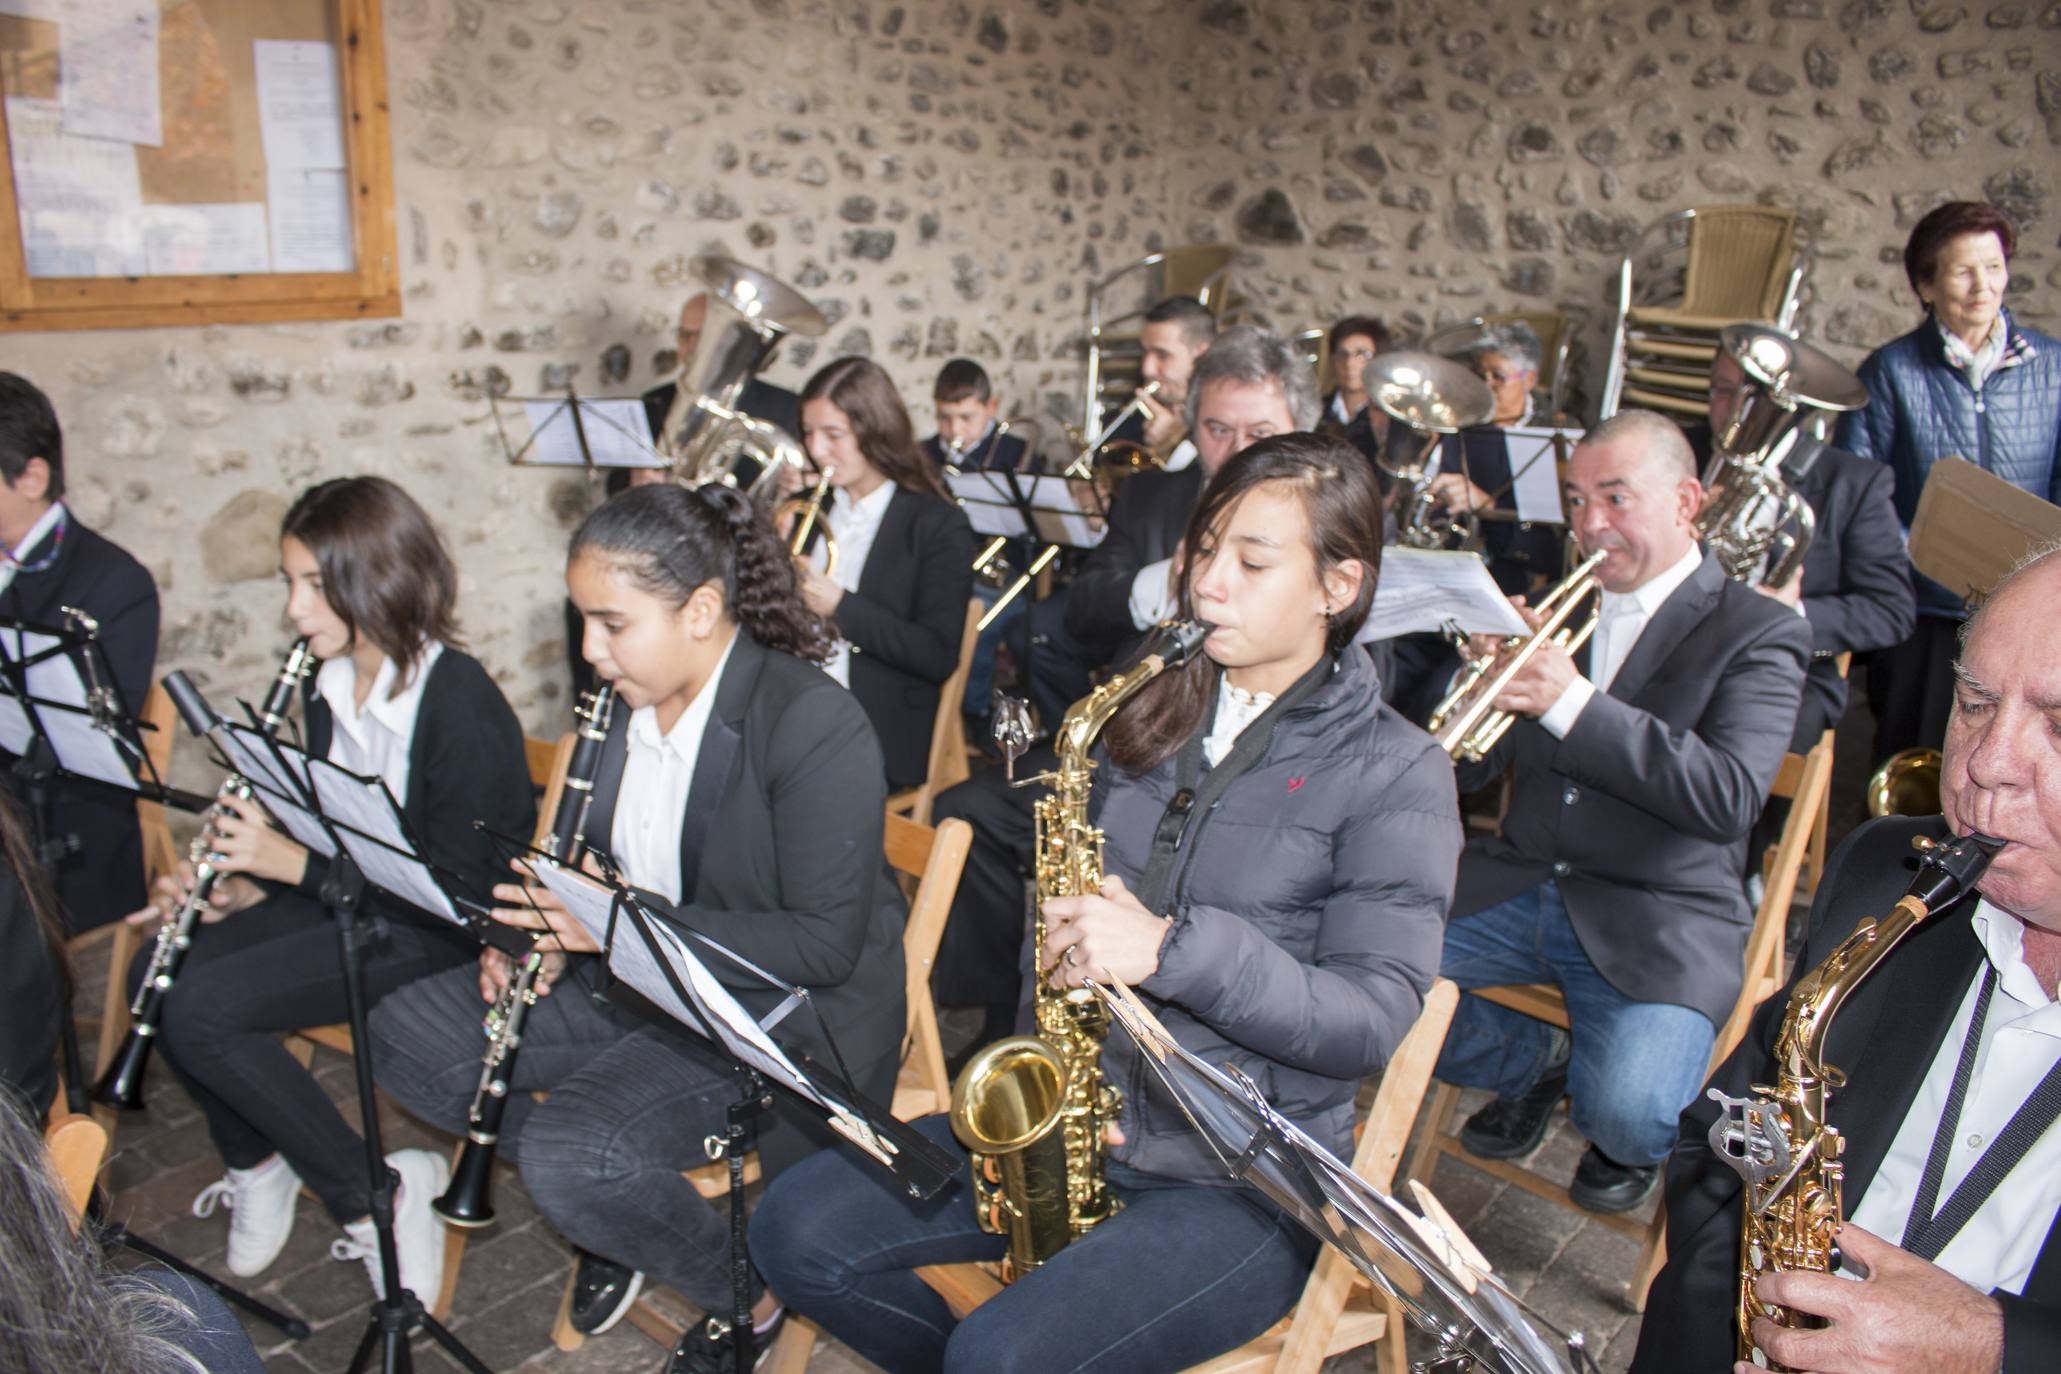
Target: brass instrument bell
[1907, 784]
[1431, 397]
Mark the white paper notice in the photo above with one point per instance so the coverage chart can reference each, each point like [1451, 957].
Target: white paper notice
[299, 114]
[79, 198]
[107, 70]
[1424, 590]
[618, 433]
[204, 240]
[1535, 471]
[310, 214]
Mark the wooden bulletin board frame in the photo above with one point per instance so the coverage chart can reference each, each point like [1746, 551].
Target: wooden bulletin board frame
[371, 289]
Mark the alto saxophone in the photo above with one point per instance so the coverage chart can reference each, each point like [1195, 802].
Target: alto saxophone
[1033, 1108]
[1779, 1140]
[122, 1084]
[468, 1201]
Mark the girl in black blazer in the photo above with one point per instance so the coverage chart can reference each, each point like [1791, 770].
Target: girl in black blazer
[905, 561]
[371, 587]
[742, 791]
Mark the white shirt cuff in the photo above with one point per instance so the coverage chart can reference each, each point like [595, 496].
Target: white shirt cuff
[1150, 603]
[1562, 714]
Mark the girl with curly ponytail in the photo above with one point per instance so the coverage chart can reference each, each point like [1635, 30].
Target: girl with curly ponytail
[741, 790]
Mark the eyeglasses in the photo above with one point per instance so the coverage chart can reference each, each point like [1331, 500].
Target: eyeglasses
[1355, 355]
[1503, 378]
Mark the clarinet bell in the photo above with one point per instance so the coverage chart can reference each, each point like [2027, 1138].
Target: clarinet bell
[469, 1201]
[122, 1085]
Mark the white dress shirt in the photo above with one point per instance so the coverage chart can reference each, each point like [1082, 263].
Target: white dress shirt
[2021, 1040]
[853, 525]
[1236, 709]
[11, 560]
[1182, 456]
[1623, 619]
[375, 740]
[658, 774]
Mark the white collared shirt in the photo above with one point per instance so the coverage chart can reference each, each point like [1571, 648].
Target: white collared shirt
[658, 776]
[1236, 709]
[853, 524]
[1184, 453]
[377, 739]
[11, 563]
[2021, 1040]
[1338, 410]
[1623, 618]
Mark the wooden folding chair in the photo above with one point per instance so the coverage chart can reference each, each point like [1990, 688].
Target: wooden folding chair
[1804, 779]
[934, 858]
[948, 766]
[77, 1146]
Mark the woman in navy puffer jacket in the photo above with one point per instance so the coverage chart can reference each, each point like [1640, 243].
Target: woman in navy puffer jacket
[1968, 382]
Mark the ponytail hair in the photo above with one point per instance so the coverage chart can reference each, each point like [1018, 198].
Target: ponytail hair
[670, 540]
[880, 422]
[1341, 506]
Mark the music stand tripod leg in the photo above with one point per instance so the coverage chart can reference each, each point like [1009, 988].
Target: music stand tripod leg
[398, 1311]
[731, 1146]
[290, 1326]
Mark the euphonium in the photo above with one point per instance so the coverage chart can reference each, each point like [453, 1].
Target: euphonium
[1033, 1108]
[1467, 724]
[468, 1202]
[122, 1084]
[1779, 1140]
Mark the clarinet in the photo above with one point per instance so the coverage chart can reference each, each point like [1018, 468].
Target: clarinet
[122, 1084]
[468, 1202]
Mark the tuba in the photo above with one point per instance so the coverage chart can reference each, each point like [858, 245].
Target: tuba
[1467, 724]
[1431, 397]
[708, 438]
[1033, 1108]
[1750, 518]
[122, 1084]
[1779, 1140]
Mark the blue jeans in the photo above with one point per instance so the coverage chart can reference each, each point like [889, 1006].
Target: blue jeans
[1634, 1065]
[1185, 1272]
[1006, 628]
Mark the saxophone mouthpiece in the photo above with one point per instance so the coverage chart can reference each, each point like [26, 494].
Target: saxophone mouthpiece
[1951, 867]
[1180, 640]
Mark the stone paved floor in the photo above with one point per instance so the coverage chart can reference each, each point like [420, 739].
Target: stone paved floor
[1569, 1268]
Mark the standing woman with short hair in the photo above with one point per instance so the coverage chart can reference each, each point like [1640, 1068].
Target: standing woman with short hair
[897, 603]
[370, 586]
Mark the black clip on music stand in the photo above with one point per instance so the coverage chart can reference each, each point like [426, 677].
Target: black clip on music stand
[353, 821]
[1423, 1262]
[660, 965]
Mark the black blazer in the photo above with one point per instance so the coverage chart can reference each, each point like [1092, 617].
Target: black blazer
[1518, 552]
[781, 856]
[104, 879]
[1640, 814]
[1885, 1038]
[905, 621]
[32, 1006]
[1000, 453]
[1146, 522]
[465, 763]
[760, 400]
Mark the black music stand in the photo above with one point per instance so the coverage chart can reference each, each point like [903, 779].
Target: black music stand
[354, 822]
[580, 431]
[663, 966]
[1422, 1261]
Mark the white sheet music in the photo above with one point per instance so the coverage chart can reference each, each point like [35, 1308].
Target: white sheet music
[16, 734]
[1421, 590]
[1066, 512]
[985, 498]
[250, 755]
[81, 746]
[618, 431]
[369, 824]
[1535, 471]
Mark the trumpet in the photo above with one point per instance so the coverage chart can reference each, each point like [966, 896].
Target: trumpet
[122, 1084]
[807, 514]
[1085, 462]
[1467, 724]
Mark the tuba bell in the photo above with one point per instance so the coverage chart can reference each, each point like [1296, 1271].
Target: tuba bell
[1751, 519]
[708, 438]
[1430, 397]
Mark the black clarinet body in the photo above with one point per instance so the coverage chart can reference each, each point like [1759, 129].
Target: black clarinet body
[122, 1085]
[468, 1201]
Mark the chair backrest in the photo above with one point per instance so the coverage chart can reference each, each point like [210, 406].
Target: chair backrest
[934, 857]
[548, 763]
[1739, 259]
[160, 721]
[948, 727]
[77, 1147]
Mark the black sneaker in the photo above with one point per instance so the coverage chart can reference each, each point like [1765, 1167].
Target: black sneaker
[709, 1347]
[1510, 1128]
[602, 1292]
[1601, 1184]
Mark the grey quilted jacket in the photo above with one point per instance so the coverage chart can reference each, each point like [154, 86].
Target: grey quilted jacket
[1921, 409]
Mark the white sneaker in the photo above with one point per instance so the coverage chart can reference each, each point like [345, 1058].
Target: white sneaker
[418, 1232]
[260, 1203]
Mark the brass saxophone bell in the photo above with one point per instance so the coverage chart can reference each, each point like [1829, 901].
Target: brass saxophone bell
[1907, 784]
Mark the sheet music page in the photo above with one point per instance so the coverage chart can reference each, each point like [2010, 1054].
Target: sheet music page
[1065, 512]
[15, 734]
[84, 748]
[986, 503]
[369, 824]
[1535, 471]
[1420, 590]
[619, 432]
[251, 756]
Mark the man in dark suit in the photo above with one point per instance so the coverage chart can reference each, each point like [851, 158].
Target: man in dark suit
[761, 400]
[1855, 583]
[1249, 385]
[1976, 1283]
[1637, 774]
[48, 560]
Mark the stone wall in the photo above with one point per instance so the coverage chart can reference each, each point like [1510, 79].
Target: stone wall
[944, 177]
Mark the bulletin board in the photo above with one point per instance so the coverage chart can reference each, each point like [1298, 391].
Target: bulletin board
[193, 162]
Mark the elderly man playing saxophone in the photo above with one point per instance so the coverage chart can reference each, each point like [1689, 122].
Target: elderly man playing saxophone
[1951, 1051]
